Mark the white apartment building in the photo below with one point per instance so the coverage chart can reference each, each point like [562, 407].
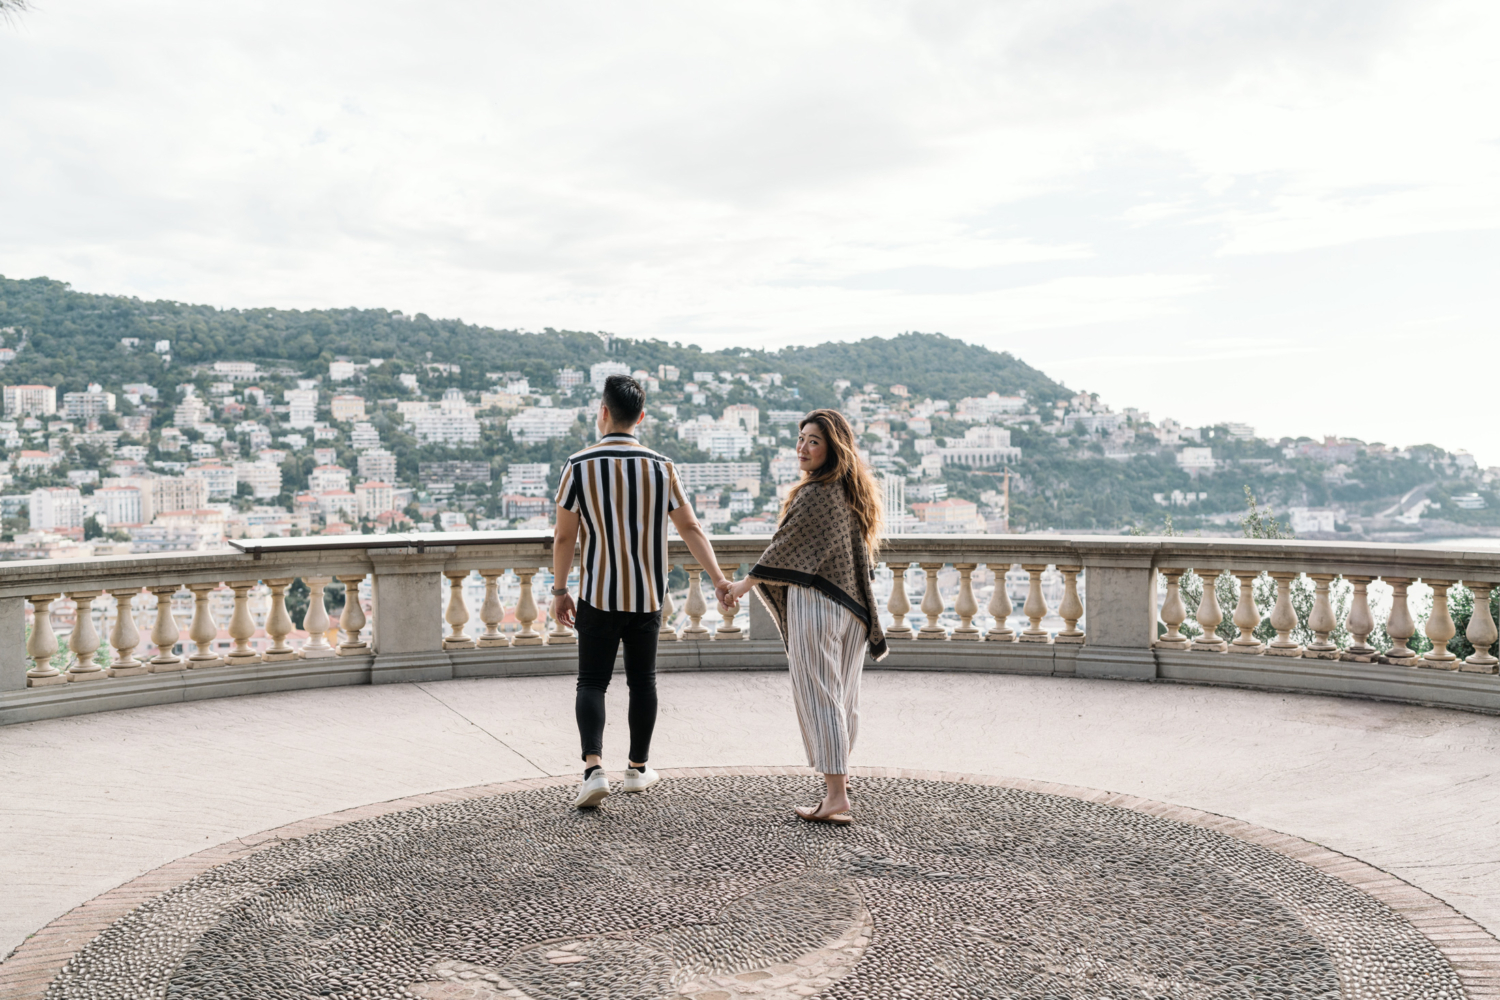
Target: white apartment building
[701, 475]
[1196, 459]
[603, 370]
[980, 409]
[338, 505]
[302, 407]
[364, 436]
[192, 411]
[219, 481]
[171, 493]
[374, 498]
[87, 405]
[527, 479]
[377, 465]
[30, 400]
[981, 446]
[119, 505]
[445, 426]
[340, 371]
[744, 415]
[328, 477]
[725, 443]
[542, 423]
[568, 378]
[264, 477]
[55, 508]
[237, 371]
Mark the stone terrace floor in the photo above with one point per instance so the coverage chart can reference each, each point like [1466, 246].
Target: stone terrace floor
[92, 802]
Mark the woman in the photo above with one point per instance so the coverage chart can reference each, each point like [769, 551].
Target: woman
[814, 578]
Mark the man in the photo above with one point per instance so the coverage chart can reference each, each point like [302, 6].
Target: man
[619, 494]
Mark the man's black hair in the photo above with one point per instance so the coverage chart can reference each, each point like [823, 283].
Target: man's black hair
[625, 399]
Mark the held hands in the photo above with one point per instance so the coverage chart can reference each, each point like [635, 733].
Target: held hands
[723, 589]
[563, 610]
[738, 589]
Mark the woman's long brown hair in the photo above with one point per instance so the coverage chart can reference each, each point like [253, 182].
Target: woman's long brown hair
[845, 467]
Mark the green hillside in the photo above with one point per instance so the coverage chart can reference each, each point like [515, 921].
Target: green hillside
[74, 338]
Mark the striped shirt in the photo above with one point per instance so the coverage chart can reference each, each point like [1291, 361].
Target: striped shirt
[622, 493]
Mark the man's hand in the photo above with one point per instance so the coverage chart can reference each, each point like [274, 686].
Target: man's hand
[724, 591]
[563, 610]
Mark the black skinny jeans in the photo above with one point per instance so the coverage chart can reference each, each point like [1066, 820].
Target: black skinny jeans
[599, 636]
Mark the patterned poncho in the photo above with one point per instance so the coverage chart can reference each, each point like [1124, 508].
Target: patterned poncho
[819, 545]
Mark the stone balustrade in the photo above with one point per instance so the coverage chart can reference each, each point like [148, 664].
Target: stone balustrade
[145, 628]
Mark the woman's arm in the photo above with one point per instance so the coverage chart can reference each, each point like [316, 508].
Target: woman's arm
[740, 588]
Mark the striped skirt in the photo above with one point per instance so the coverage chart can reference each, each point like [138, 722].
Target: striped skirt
[826, 650]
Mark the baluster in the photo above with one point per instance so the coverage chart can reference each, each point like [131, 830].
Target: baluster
[315, 622]
[697, 607]
[1072, 607]
[241, 626]
[526, 611]
[932, 604]
[1246, 616]
[1035, 608]
[1481, 632]
[560, 635]
[1209, 615]
[203, 630]
[165, 633]
[352, 619]
[1440, 628]
[41, 646]
[727, 628]
[458, 612]
[1173, 612]
[125, 637]
[84, 641]
[492, 612]
[965, 606]
[279, 623]
[667, 633]
[999, 607]
[1360, 623]
[898, 604]
[1321, 621]
[1283, 617]
[1400, 626]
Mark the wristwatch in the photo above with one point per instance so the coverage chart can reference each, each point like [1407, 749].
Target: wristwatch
[559, 591]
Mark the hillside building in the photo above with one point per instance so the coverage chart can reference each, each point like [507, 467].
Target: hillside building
[30, 400]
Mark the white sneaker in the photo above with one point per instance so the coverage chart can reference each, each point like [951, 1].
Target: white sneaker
[639, 781]
[595, 789]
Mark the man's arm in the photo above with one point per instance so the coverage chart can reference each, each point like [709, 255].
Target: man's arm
[698, 544]
[564, 539]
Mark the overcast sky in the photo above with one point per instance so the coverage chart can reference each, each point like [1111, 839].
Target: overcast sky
[1283, 213]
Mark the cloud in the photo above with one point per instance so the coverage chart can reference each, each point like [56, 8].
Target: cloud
[1081, 181]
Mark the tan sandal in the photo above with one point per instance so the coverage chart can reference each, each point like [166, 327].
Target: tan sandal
[810, 813]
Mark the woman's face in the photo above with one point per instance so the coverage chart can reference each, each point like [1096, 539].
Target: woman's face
[812, 448]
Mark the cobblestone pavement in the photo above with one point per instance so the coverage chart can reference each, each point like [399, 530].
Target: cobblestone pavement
[709, 888]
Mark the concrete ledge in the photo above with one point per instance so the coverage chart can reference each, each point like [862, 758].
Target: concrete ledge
[411, 668]
[1036, 658]
[61, 700]
[1378, 681]
[1416, 686]
[1116, 663]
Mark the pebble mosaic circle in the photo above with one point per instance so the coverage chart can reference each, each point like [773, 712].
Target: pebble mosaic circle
[710, 888]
